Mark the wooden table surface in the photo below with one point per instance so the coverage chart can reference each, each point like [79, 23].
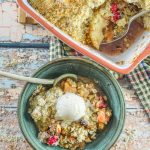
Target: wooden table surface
[24, 61]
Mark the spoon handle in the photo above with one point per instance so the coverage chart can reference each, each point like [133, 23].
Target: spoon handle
[139, 15]
[27, 79]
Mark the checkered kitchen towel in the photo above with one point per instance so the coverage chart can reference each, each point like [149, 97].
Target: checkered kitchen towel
[139, 78]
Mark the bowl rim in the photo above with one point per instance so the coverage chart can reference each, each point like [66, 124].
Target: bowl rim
[107, 73]
[74, 45]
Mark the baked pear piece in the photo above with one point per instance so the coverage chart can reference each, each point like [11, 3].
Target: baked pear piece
[97, 25]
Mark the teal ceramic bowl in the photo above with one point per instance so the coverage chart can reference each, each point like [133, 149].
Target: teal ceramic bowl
[82, 67]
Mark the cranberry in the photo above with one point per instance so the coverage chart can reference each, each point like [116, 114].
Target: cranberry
[102, 105]
[52, 140]
[116, 16]
[114, 7]
[115, 12]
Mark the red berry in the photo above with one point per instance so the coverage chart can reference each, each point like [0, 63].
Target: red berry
[114, 7]
[116, 16]
[52, 140]
[103, 105]
[102, 102]
[114, 10]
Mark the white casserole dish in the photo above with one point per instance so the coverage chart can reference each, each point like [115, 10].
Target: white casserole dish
[122, 63]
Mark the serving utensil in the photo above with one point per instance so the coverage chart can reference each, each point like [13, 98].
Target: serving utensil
[37, 80]
[133, 18]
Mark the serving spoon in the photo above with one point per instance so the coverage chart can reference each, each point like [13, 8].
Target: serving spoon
[53, 82]
[128, 26]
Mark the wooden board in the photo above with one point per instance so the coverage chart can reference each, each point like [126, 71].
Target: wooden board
[24, 18]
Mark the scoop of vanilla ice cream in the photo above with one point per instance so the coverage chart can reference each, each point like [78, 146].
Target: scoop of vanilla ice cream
[70, 107]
